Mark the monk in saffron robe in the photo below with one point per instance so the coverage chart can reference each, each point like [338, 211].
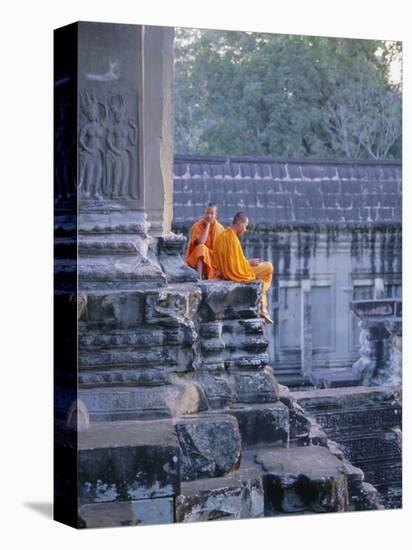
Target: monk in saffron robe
[232, 265]
[199, 253]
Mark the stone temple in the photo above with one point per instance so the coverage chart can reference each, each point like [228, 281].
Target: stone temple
[171, 402]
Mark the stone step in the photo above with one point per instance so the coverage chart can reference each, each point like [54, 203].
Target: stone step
[234, 496]
[365, 422]
[117, 272]
[262, 424]
[210, 445]
[352, 408]
[361, 495]
[134, 403]
[108, 245]
[127, 461]
[303, 480]
[291, 378]
[133, 512]
[339, 378]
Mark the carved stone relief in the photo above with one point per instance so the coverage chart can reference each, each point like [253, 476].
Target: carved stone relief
[108, 142]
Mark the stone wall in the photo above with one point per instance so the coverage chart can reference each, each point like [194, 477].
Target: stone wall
[337, 265]
[367, 424]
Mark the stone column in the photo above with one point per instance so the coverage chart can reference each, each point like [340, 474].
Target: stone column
[395, 352]
[114, 163]
[306, 327]
[124, 141]
[113, 228]
[158, 127]
[380, 338]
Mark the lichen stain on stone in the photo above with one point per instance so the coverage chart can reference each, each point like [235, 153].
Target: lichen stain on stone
[138, 490]
[287, 254]
[105, 492]
[354, 245]
[373, 249]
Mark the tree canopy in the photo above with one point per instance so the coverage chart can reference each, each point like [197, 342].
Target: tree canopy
[243, 93]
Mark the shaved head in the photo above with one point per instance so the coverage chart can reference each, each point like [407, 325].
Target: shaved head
[240, 217]
[240, 223]
[210, 213]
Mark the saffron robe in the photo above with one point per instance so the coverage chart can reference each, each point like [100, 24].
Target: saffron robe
[196, 252]
[232, 265]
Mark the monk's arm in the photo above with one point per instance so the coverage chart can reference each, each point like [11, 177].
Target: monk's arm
[203, 237]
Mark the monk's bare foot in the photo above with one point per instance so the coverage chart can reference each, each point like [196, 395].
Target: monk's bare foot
[265, 314]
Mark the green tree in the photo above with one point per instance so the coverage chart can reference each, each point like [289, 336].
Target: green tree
[264, 94]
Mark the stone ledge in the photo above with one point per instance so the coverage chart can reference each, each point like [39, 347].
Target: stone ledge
[262, 424]
[210, 445]
[121, 461]
[121, 403]
[238, 495]
[347, 395]
[303, 479]
[135, 512]
[228, 300]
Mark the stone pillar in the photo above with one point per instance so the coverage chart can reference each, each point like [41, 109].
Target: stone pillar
[113, 229]
[370, 349]
[395, 352]
[122, 143]
[306, 327]
[158, 127]
[380, 338]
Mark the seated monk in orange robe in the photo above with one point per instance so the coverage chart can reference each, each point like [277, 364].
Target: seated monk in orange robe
[199, 253]
[231, 263]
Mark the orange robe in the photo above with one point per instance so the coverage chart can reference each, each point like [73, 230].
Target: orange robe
[230, 261]
[195, 251]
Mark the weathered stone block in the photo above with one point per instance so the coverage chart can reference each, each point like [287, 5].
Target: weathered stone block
[210, 330]
[252, 326]
[362, 496]
[212, 346]
[303, 479]
[177, 359]
[146, 402]
[210, 445]
[238, 495]
[128, 461]
[173, 306]
[228, 300]
[218, 390]
[256, 387]
[262, 424]
[251, 362]
[114, 310]
[171, 252]
[118, 514]
[299, 427]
